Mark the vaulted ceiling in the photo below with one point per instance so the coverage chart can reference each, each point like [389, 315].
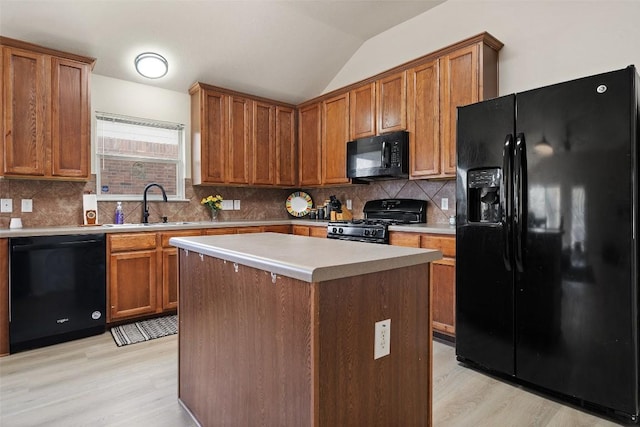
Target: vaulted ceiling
[284, 50]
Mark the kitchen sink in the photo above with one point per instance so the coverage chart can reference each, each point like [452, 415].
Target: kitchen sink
[151, 224]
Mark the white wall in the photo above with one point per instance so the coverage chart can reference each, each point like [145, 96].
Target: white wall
[545, 41]
[116, 96]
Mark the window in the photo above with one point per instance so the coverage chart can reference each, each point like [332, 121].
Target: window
[133, 152]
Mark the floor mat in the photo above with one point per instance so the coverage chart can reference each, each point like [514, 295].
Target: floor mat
[145, 330]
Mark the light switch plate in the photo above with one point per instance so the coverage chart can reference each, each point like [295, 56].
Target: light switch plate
[27, 205]
[227, 205]
[236, 205]
[444, 204]
[349, 204]
[6, 205]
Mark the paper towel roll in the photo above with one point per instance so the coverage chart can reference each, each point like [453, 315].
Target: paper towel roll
[89, 203]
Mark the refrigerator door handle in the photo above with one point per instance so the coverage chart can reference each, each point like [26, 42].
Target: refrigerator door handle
[506, 197]
[520, 205]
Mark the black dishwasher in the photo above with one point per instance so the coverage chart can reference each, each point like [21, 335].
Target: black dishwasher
[57, 289]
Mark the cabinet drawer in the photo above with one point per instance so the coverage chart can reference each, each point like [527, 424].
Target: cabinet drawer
[411, 240]
[300, 230]
[164, 237]
[285, 229]
[445, 244]
[131, 241]
[244, 230]
[318, 231]
[218, 231]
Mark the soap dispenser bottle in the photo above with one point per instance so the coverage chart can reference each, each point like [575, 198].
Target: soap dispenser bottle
[119, 217]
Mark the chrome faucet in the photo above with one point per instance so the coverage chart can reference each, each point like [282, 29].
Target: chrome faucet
[145, 208]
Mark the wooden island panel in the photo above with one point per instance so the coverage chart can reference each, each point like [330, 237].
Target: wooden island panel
[355, 389]
[245, 349]
[293, 353]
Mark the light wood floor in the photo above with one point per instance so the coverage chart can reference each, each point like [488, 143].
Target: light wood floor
[91, 382]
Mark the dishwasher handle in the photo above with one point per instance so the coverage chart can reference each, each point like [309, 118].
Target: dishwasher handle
[57, 245]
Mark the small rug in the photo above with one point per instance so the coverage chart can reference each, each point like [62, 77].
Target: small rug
[145, 330]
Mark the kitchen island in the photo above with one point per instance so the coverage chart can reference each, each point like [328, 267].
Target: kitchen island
[278, 329]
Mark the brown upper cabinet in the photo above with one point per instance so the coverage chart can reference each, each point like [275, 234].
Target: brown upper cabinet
[420, 96]
[460, 76]
[391, 102]
[263, 143]
[424, 119]
[209, 110]
[379, 107]
[45, 115]
[335, 135]
[238, 150]
[309, 144]
[274, 145]
[362, 104]
[239, 139]
[322, 143]
[286, 172]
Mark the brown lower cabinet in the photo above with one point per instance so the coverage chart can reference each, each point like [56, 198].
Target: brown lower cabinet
[442, 275]
[285, 229]
[132, 261]
[313, 231]
[142, 270]
[142, 274]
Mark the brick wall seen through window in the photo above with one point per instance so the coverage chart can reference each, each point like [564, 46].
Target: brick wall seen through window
[131, 153]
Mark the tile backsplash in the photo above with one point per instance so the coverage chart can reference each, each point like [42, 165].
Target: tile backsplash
[431, 191]
[59, 203]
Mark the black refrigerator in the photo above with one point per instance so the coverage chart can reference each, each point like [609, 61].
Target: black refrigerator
[547, 240]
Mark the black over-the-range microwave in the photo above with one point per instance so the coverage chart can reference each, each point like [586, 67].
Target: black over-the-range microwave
[379, 157]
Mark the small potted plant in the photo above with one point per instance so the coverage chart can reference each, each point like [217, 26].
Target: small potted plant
[214, 203]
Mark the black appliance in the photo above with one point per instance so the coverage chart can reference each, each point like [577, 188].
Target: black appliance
[547, 239]
[57, 289]
[378, 215]
[378, 157]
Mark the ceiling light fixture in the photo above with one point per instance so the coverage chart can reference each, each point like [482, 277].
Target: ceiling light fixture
[543, 148]
[151, 65]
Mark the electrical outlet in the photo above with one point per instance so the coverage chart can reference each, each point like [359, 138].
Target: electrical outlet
[236, 205]
[27, 205]
[349, 204]
[6, 205]
[227, 205]
[444, 204]
[382, 339]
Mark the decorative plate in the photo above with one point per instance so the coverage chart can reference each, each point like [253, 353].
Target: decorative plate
[299, 203]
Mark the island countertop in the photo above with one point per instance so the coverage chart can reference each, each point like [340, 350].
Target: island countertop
[305, 258]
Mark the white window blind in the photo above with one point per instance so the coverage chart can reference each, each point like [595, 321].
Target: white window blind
[132, 152]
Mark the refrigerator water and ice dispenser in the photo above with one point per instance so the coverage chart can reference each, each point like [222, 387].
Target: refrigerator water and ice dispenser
[484, 195]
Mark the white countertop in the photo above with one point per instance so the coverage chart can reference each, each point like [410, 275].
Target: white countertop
[305, 258]
[133, 228]
[63, 230]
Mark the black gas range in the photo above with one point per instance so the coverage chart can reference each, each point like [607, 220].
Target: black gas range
[378, 216]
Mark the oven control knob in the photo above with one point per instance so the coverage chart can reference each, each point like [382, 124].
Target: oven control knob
[340, 230]
[366, 232]
[334, 229]
[374, 232]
